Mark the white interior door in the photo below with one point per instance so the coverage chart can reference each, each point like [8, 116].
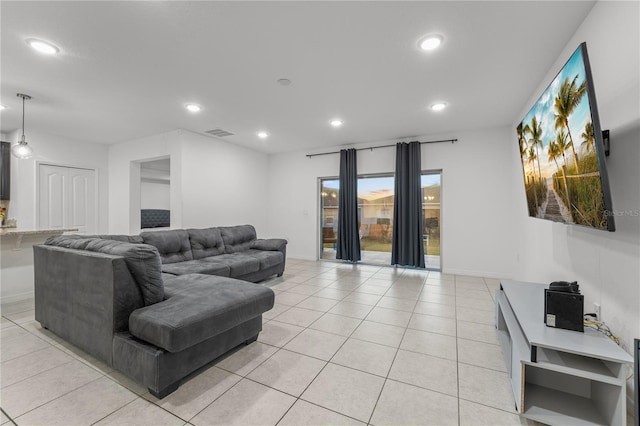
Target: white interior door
[67, 198]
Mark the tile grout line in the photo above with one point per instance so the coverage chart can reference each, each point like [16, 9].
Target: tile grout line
[392, 362]
[136, 399]
[246, 376]
[350, 337]
[328, 361]
[321, 370]
[36, 374]
[8, 416]
[209, 404]
[455, 296]
[393, 279]
[59, 396]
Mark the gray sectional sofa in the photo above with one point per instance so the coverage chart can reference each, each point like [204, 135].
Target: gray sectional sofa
[232, 251]
[159, 305]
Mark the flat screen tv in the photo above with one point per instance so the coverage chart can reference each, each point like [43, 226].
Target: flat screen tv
[562, 151]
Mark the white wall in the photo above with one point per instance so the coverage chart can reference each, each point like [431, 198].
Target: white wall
[213, 183]
[477, 213]
[154, 195]
[124, 179]
[17, 265]
[61, 151]
[606, 265]
[224, 184]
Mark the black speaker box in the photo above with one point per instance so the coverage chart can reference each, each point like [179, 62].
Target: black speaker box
[564, 310]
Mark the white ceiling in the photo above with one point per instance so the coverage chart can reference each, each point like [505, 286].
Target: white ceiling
[126, 69]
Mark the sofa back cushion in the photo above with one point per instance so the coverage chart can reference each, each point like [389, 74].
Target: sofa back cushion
[135, 239]
[142, 260]
[237, 238]
[173, 245]
[206, 242]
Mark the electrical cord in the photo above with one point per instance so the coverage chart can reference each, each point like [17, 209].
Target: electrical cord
[590, 320]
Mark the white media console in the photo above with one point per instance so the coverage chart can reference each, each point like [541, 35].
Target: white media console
[558, 377]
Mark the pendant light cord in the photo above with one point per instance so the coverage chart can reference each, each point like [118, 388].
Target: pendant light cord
[23, 118]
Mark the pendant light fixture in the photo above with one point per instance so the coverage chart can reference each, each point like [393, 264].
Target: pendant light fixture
[21, 149]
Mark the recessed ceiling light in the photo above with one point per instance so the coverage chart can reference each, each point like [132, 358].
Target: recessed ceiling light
[336, 122]
[42, 46]
[262, 134]
[438, 106]
[431, 42]
[2, 107]
[193, 107]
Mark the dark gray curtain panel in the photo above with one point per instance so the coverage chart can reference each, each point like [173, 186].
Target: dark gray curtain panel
[348, 226]
[407, 247]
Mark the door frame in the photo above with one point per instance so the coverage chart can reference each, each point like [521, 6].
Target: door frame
[67, 166]
[379, 174]
[320, 212]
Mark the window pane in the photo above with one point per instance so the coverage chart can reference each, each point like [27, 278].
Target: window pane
[375, 209]
[431, 190]
[329, 189]
[375, 216]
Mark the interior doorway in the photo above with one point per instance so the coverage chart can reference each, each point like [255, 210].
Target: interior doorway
[155, 198]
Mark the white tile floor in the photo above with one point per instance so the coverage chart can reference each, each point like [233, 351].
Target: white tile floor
[344, 344]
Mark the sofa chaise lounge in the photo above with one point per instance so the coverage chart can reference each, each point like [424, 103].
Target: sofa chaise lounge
[112, 297]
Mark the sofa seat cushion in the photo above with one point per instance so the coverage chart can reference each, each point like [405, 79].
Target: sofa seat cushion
[196, 267]
[197, 308]
[173, 245]
[239, 263]
[267, 259]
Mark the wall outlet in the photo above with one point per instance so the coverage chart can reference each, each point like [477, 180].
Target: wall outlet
[596, 310]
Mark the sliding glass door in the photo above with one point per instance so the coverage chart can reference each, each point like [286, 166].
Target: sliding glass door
[375, 205]
[375, 215]
[329, 189]
[431, 194]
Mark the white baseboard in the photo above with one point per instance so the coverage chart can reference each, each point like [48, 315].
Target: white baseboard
[293, 256]
[475, 273]
[17, 297]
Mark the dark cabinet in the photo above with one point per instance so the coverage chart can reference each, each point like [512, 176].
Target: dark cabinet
[5, 171]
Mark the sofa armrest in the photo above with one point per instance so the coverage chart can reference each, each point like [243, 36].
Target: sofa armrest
[84, 297]
[272, 244]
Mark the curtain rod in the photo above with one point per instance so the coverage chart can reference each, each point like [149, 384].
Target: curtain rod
[380, 146]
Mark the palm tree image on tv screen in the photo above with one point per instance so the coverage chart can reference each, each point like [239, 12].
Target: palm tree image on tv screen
[561, 151]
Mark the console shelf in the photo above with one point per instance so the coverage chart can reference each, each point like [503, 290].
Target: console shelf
[558, 376]
[547, 405]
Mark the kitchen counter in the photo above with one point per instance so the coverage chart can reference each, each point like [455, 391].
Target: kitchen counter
[19, 233]
[16, 251]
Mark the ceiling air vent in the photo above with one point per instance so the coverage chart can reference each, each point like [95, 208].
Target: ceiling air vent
[220, 133]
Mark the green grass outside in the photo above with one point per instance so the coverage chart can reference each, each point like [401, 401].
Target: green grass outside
[433, 249]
